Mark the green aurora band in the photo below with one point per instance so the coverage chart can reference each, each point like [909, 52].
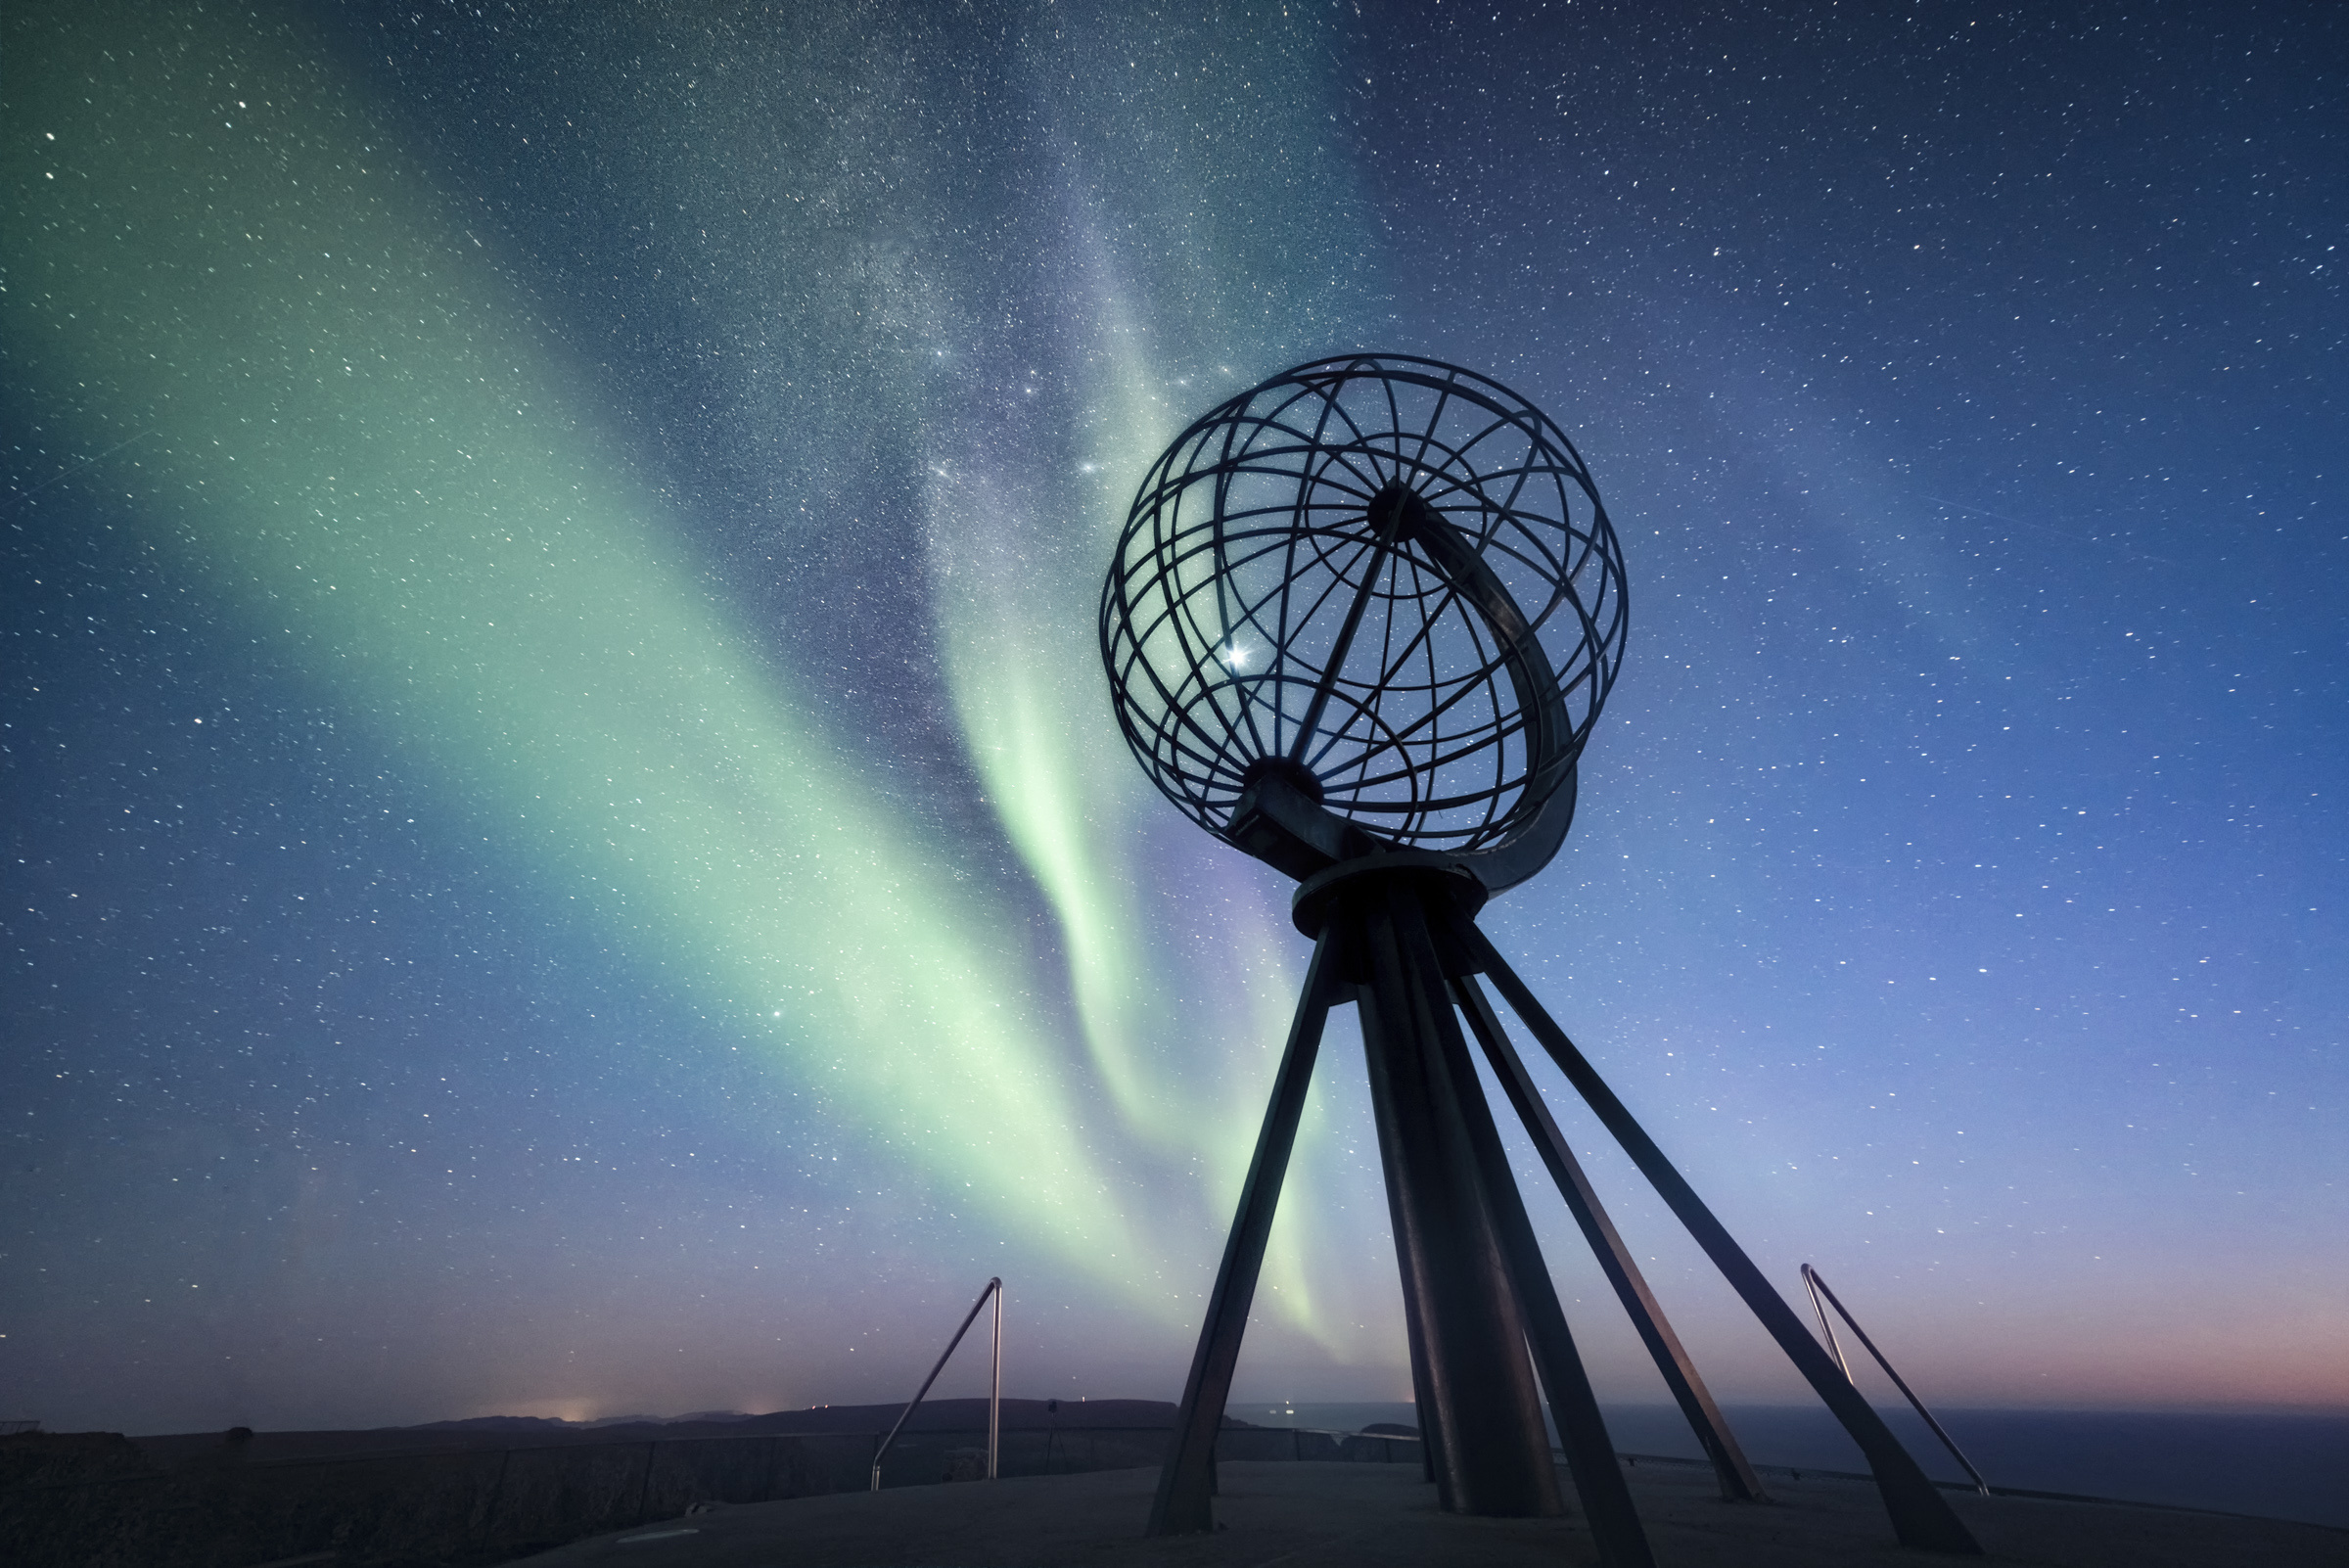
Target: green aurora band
[345, 422]
[379, 472]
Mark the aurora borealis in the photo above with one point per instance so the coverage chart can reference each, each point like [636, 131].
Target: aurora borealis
[568, 852]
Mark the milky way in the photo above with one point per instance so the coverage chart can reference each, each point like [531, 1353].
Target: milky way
[569, 851]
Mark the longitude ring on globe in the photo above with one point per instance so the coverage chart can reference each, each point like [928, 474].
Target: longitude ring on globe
[1373, 603]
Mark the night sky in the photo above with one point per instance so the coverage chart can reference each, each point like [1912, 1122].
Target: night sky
[568, 852]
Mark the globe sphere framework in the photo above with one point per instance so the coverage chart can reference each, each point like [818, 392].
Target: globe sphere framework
[1387, 577]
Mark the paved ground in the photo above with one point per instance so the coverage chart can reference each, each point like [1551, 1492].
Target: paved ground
[1323, 1515]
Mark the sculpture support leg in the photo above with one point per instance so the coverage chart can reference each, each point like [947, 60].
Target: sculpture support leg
[1428, 1470]
[1738, 1483]
[1398, 1216]
[1492, 1454]
[1921, 1516]
[1414, 1332]
[1185, 1484]
[1590, 1453]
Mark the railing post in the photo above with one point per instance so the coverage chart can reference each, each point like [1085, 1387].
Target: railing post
[1834, 1348]
[994, 1398]
[995, 1288]
[1818, 1287]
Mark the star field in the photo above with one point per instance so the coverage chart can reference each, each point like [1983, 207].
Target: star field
[568, 851]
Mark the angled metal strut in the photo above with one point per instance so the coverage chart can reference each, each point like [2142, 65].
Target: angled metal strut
[1396, 934]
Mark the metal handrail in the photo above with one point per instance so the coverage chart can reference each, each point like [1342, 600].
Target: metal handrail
[994, 1399]
[1818, 1287]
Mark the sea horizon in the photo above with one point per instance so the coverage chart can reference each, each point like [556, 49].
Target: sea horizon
[2266, 1462]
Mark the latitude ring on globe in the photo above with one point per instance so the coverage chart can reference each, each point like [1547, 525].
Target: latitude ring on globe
[1371, 604]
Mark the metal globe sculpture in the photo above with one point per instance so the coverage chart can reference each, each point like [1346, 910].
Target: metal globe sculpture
[1372, 603]
[1359, 623]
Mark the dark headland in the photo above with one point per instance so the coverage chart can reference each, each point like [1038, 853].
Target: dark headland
[789, 1490]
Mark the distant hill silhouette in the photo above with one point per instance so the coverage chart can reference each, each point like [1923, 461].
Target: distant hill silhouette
[539, 1431]
[935, 1416]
